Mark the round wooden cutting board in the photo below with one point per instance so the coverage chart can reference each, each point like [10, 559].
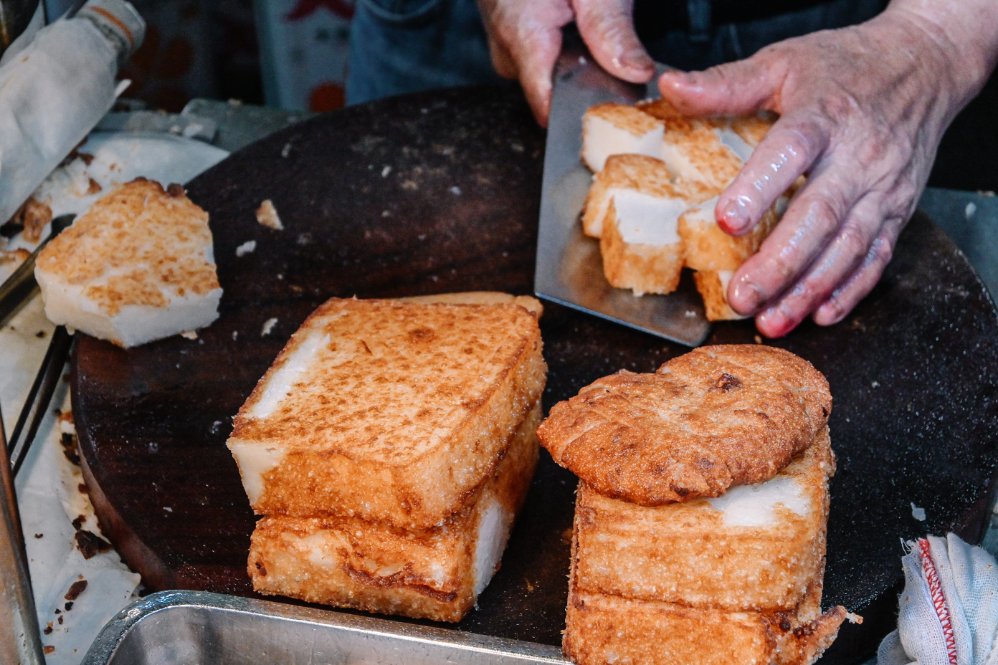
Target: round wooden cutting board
[439, 192]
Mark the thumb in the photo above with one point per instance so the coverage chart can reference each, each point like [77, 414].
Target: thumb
[607, 26]
[735, 88]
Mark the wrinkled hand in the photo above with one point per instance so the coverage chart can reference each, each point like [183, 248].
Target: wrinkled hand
[862, 111]
[525, 40]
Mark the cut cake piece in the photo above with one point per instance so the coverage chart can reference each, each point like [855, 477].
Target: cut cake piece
[390, 411]
[434, 573]
[136, 267]
[705, 150]
[636, 178]
[708, 247]
[712, 285]
[613, 129]
[634, 207]
[756, 547]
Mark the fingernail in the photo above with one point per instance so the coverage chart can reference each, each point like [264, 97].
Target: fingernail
[636, 60]
[733, 217]
[745, 295]
[773, 323]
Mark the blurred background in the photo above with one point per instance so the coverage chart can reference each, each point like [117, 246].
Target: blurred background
[292, 54]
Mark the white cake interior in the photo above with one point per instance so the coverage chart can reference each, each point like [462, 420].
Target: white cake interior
[647, 219]
[603, 138]
[755, 505]
[68, 304]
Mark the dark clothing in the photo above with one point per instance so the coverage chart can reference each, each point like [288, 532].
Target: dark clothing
[399, 46]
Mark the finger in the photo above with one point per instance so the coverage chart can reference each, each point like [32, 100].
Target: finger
[735, 88]
[502, 60]
[536, 55]
[864, 278]
[608, 30]
[807, 227]
[793, 144]
[838, 261]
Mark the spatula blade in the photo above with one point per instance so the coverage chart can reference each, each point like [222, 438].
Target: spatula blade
[569, 268]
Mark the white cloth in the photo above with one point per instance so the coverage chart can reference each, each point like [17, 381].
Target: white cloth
[948, 612]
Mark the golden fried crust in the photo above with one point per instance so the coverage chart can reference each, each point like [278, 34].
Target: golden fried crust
[691, 553]
[712, 418]
[623, 116]
[138, 245]
[411, 401]
[643, 268]
[711, 288]
[601, 629]
[373, 566]
[707, 247]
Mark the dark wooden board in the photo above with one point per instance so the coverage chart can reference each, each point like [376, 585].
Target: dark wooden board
[439, 192]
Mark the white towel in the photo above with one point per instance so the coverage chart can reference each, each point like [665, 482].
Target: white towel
[948, 612]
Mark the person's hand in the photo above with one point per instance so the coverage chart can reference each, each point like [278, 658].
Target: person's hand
[862, 111]
[525, 40]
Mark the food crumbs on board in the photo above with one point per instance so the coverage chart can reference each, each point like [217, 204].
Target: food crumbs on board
[246, 248]
[268, 326]
[917, 512]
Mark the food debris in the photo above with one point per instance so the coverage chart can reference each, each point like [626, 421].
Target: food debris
[68, 605]
[267, 216]
[68, 442]
[94, 187]
[75, 589]
[303, 239]
[268, 326]
[455, 190]
[969, 211]
[917, 512]
[530, 585]
[33, 216]
[48, 648]
[246, 248]
[189, 334]
[48, 628]
[385, 171]
[90, 544]
[286, 150]
[235, 335]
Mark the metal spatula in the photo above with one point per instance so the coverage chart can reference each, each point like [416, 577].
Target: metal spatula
[569, 267]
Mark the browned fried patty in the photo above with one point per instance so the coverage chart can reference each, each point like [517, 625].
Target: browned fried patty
[716, 417]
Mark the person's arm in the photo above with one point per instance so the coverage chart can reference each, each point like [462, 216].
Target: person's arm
[862, 113]
[525, 40]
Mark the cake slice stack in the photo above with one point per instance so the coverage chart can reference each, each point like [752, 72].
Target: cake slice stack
[389, 448]
[700, 519]
[653, 209]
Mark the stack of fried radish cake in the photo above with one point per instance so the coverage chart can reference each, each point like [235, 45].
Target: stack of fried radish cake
[700, 518]
[389, 448]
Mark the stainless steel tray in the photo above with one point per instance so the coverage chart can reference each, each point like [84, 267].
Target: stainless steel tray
[187, 627]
